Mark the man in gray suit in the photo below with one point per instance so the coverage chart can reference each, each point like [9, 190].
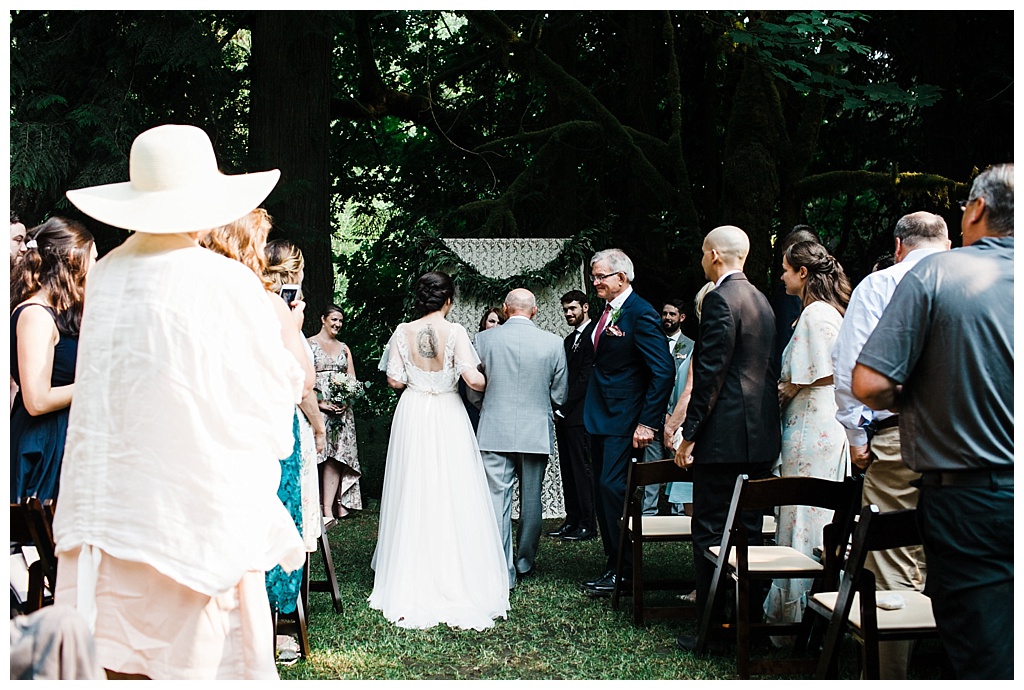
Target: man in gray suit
[526, 375]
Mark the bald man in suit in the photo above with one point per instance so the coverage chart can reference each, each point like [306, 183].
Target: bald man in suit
[732, 421]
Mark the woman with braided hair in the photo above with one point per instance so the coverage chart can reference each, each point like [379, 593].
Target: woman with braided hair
[47, 296]
[813, 442]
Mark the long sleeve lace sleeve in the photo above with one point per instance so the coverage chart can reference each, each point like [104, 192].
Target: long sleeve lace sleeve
[391, 361]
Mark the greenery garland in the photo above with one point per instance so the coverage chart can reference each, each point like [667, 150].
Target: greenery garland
[472, 283]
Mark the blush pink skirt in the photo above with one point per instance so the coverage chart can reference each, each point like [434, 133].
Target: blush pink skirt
[148, 624]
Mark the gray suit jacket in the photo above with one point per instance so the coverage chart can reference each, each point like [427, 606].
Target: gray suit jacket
[526, 375]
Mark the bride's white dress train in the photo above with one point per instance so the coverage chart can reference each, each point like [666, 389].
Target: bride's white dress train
[439, 556]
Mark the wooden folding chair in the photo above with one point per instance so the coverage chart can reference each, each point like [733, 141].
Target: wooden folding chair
[855, 606]
[640, 529]
[297, 622]
[294, 623]
[330, 583]
[31, 525]
[742, 563]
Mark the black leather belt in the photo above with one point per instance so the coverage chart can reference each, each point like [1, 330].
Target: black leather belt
[1001, 478]
[887, 423]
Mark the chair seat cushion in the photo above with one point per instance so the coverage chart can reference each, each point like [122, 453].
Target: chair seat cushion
[916, 615]
[774, 558]
[665, 525]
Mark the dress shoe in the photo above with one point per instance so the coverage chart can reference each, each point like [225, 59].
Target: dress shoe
[604, 576]
[565, 529]
[605, 586]
[522, 576]
[580, 534]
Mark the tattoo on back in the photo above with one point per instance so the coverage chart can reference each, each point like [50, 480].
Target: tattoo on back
[426, 343]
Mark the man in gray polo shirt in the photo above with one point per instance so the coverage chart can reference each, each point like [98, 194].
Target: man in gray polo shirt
[887, 479]
[942, 354]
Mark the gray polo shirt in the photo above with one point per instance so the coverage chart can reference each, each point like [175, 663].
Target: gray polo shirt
[947, 336]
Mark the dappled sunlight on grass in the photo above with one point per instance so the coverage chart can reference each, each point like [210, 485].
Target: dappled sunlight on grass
[554, 631]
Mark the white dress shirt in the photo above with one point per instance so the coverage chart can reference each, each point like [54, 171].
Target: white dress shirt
[867, 303]
[614, 304]
[726, 275]
[672, 340]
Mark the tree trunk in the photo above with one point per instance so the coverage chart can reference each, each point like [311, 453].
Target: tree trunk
[750, 188]
[289, 129]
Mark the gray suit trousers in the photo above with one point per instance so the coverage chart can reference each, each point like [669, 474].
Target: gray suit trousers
[501, 468]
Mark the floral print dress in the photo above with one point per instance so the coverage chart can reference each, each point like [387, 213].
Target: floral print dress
[341, 428]
[813, 445]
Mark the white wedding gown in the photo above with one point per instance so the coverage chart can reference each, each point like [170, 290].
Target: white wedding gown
[439, 555]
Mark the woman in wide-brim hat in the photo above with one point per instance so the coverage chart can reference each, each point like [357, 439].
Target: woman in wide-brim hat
[168, 515]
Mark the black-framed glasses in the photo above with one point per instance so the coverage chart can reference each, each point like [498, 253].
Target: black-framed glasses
[603, 276]
[963, 204]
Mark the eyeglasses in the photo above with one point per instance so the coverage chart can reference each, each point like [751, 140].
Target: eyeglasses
[964, 203]
[601, 277]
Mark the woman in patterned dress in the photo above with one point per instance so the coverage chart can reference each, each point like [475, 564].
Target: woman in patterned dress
[813, 442]
[339, 463]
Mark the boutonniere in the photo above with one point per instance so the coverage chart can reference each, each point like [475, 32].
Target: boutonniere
[613, 330]
[616, 313]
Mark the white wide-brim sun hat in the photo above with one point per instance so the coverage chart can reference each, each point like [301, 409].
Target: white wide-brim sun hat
[175, 186]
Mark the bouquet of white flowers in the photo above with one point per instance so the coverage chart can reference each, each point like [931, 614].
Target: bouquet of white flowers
[345, 390]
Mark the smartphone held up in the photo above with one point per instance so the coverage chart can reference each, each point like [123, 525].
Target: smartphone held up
[289, 293]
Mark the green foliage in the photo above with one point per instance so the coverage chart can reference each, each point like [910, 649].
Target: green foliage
[85, 83]
[810, 51]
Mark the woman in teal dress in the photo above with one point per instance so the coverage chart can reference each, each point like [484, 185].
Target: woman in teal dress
[245, 241]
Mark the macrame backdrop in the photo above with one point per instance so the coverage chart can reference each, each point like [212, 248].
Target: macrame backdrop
[502, 258]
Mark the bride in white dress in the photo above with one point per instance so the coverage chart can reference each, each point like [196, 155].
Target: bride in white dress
[439, 556]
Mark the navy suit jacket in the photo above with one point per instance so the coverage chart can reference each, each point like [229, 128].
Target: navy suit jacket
[632, 376]
[733, 415]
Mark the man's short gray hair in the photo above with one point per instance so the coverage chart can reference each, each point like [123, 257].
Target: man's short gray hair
[995, 186]
[617, 261]
[921, 227]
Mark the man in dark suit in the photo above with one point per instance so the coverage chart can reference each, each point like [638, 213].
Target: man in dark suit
[627, 396]
[573, 451]
[732, 422]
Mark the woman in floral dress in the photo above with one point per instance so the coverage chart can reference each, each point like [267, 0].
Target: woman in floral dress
[813, 442]
[339, 463]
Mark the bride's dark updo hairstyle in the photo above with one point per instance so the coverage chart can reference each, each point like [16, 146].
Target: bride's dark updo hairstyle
[826, 280]
[432, 291]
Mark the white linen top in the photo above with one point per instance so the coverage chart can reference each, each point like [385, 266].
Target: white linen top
[184, 401]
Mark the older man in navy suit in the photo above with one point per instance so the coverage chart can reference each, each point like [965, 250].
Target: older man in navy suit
[630, 384]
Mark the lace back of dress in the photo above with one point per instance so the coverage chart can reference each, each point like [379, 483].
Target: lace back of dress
[429, 366]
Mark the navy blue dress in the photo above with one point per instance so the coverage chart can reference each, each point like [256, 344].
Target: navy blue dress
[37, 443]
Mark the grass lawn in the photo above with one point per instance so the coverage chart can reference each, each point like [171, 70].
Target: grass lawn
[553, 631]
